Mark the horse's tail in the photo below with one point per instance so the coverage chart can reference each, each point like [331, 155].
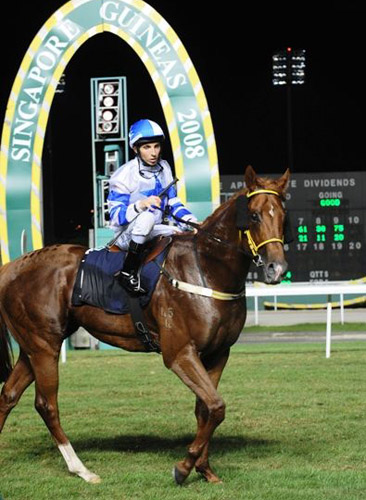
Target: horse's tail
[6, 352]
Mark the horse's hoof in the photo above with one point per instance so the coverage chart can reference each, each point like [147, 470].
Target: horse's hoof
[90, 477]
[95, 479]
[214, 480]
[178, 476]
[209, 476]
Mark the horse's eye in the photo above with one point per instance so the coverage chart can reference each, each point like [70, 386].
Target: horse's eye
[255, 217]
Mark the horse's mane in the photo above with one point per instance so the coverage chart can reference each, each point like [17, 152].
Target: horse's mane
[261, 183]
[216, 214]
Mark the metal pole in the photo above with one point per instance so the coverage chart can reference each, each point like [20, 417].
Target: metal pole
[290, 153]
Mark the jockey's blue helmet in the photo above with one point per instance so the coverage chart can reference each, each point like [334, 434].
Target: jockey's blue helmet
[144, 131]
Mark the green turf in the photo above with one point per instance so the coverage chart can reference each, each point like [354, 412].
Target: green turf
[295, 428]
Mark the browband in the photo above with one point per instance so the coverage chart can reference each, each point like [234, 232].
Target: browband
[262, 191]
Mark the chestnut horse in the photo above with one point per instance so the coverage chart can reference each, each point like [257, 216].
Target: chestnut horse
[203, 285]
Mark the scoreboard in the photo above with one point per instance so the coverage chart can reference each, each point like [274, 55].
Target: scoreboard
[328, 218]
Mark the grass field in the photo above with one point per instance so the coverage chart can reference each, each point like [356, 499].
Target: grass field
[295, 428]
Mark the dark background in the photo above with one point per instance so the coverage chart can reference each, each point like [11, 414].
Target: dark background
[231, 47]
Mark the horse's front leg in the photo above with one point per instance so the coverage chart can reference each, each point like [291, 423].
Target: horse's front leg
[215, 366]
[189, 368]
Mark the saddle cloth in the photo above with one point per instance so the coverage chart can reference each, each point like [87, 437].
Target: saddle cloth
[96, 285]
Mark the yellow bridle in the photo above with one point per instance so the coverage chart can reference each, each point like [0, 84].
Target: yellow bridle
[254, 247]
[208, 292]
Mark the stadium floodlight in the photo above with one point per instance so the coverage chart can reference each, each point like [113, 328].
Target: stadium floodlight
[288, 67]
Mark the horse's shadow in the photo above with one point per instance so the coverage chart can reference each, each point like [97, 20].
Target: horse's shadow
[142, 443]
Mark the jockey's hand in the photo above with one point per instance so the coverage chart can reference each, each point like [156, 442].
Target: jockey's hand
[195, 230]
[149, 202]
[190, 228]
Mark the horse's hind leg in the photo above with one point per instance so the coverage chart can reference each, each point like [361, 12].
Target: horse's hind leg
[19, 379]
[188, 366]
[215, 367]
[45, 367]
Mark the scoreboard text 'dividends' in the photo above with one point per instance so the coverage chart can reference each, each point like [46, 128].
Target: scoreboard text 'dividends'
[328, 218]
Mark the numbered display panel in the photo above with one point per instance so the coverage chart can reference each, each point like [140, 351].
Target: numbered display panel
[328, 218]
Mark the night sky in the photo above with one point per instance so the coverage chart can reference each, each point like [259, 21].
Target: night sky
[232, 53]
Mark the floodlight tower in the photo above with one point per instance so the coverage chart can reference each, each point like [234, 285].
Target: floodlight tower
[288, 68]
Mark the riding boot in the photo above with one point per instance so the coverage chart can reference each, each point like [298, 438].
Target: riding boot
[129, 276]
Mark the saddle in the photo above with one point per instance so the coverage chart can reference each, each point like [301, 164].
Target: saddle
[95, 282]
[96, 285]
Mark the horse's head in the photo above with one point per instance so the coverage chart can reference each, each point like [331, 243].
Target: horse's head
[262, 214]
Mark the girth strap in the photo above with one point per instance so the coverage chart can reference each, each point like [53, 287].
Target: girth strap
[141, 329]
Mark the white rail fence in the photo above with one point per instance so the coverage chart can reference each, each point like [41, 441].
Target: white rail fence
[328, 289]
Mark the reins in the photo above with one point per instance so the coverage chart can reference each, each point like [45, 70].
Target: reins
[200, 229]
[254, 255]
[253, 246]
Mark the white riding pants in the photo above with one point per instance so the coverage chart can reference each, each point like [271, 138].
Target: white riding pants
[144, 228]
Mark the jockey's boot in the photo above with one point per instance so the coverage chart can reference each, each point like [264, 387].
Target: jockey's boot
[129, 276]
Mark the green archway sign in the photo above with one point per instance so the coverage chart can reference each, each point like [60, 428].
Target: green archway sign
[181, 95]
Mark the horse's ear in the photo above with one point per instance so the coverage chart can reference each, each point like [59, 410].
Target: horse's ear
[283, 182]
[250, 178]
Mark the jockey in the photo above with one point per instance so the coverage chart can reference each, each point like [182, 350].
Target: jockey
[136, 211]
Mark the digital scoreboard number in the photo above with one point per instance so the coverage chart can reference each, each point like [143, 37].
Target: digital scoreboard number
[328, 219]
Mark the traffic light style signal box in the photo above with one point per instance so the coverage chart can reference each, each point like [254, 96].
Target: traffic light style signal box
[109, 145]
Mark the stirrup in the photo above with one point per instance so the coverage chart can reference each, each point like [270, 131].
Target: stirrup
[131, 282]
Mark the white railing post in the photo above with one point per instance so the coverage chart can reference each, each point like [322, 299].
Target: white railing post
[342, 307]
[256, 315]
[329, 330]
[63, 352]
[326, 288]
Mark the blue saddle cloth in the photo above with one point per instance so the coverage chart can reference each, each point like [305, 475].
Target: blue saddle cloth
[96, 285]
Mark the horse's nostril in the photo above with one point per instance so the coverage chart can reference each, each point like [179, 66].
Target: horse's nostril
[275, 270]
[271, 267]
